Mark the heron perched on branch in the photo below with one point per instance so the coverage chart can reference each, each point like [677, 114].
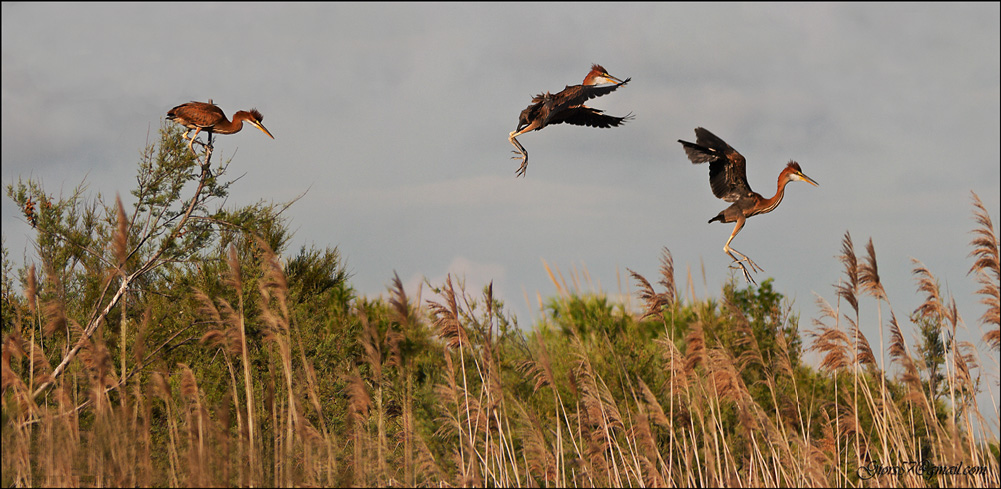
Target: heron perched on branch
[568, 106]
[728, 179]
[208, 117]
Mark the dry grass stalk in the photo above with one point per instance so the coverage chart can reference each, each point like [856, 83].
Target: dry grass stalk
[426, 464]
[446, 318]
[120, 240]
[849, 290]
[987, 268]
[656, 411]
[359, 406]
[833, 344]
[869, 278]
[863, 351]
[869, 274]
[933, 307]
[248, 390]
[408, 321]
[451, 421]
[712, 432]
[54, 314]
[649, 460]
[667, 275]
[675, 365]
[31, 290]
[196, 421]
[751, 354]
[911, 377]
[373, 356]
[539, 456]
[695, 351]
[654, 301]
[328, 441]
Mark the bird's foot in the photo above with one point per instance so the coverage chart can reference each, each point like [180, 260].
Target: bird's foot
[524, 162]
[522, 169]
[754, 266]
[205, 146]
[747, 275]
[745, 259]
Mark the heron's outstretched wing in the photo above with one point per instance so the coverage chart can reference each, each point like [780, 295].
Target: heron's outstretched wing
[578, 94]
[727, 167]
[587, 116]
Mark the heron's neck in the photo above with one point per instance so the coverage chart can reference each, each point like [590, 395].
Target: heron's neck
[229, 127]
[770, 204]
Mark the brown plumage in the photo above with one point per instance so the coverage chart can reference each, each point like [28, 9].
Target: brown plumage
[208, 117]
[567, 106]
[728, 179]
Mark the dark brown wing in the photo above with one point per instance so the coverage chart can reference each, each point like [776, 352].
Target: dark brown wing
[197, 114]
[587, 116]
[727, 167]
[578, 94]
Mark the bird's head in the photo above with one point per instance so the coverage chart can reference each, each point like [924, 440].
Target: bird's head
[794, 172]
[255, 118]
[599, 75]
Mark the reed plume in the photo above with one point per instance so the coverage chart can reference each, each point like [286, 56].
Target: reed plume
[987, 268]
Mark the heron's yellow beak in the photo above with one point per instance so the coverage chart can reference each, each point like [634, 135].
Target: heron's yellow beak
[262, 128]
[610, 77]
[802, 177]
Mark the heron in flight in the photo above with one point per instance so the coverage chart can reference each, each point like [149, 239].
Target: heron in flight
[568, 106]
[208, 117]
[728, 179]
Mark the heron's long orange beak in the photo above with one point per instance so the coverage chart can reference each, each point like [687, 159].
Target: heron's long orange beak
[261, 127]
[610, 77]
[801, 176]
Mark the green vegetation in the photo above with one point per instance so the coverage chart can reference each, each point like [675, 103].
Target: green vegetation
[170, 345]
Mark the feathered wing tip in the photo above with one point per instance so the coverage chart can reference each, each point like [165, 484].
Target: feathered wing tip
[707, 147]
[698, 154]
[710, 140]
[542, 97]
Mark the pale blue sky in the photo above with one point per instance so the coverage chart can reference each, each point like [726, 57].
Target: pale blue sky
[395, 118]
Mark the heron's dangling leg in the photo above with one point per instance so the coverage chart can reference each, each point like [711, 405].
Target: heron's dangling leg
[521, 150]
[743, 258]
